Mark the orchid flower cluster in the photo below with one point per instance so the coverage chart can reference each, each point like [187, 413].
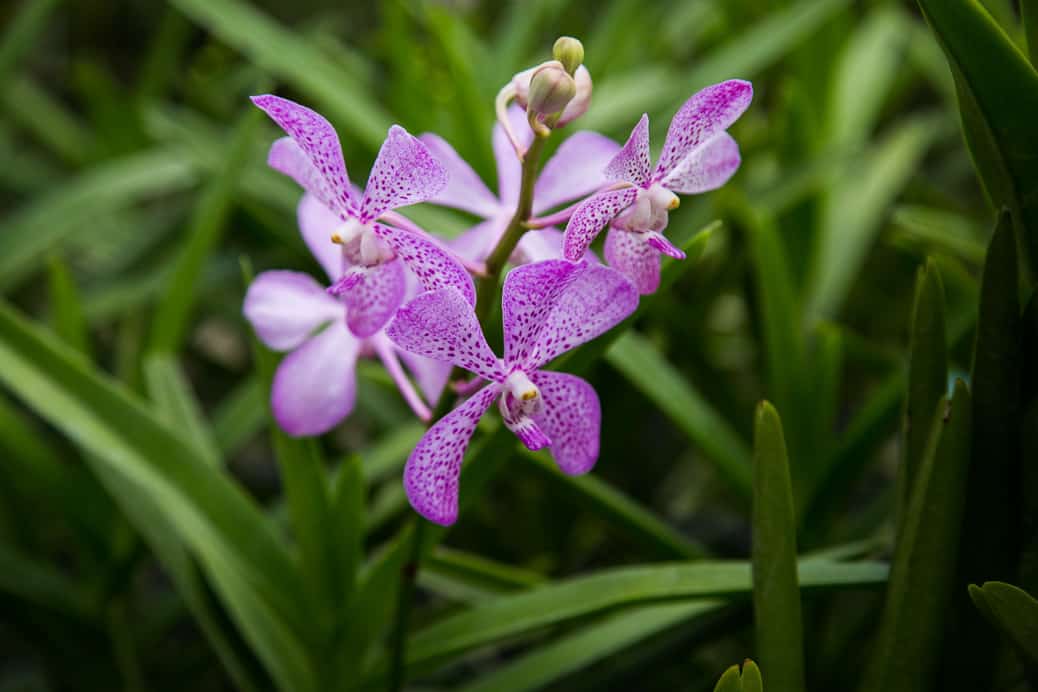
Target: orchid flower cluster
[408, 297]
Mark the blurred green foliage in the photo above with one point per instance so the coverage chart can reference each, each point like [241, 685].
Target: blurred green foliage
[157, 533]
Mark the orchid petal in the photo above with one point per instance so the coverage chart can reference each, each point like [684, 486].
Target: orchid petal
[317, 223]
[660, 243]
[593, 302]
[465, 190]
[404, 173]
[509, 168]
[572, 417]
[574, 171]
[520, 423]
[707, 167]
[430, 375]
[315, 386]
[478, 242]
[591, 217]
[285, 307]
[634, 258]
[633, 162]
[442, 325]
[529, 295]
[434, 467]
[374, 298]
[313, 156]
[434, 266]
[708, 112]
[540, 245]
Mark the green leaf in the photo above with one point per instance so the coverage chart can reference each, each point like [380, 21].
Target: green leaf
[1029, 18]
[346, 521]
[927, 374]
[639, 361]
[564, 600]
[998, 99]
[239, 416]
[45, 587]
[731, 681]
[922, 576]
[748, 680]
[776, 594]
[176, 403]
[289, 56]
[1013, 611]
[939, 230]
[66, 307]
[22, 32]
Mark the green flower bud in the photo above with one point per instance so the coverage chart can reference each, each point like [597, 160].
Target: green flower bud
[551, 88]
[570, 52]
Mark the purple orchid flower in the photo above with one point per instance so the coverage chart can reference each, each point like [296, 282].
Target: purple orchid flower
[315, 386]
[698, 155]
[547, 309]
[574, 171]
[370, 277]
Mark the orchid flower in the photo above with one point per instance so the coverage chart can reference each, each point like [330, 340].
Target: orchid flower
[573, 172]
[370, 277]
[315, 385]
[547, 309]
[698, 155]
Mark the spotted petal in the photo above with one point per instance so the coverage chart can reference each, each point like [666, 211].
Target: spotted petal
[434, 266]
[434, 467]
[313, 156]
[572, 417]
[529, 296]
[285, 307]
[591, 217]
[593, 302]
[442, 325]
[706, 168]
[708, 112]
[373, 298]
[628, 253]
[574, 171]
[632, 163]
[404, 173]
[315, 386]
[465, 190]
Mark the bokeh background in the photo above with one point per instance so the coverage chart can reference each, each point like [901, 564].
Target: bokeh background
[133, 190]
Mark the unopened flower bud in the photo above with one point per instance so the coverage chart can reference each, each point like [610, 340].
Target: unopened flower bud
[551, 89]
[570, 52]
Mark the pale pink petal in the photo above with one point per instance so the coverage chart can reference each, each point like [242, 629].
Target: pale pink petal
[520, 423]
[317, 223]
[708, 112]
[434, 266]
[593, 302]
[374, 298]
[285, 307]
[509, 169]
[315, 386]
[465, 190]
[707, 167]
[539, 245]
[530, 294]
[633, 162]
[404, 173]
[572, 417]
[634, 258]
[313, 157]
[442, 325]
[478, 242]
[591, 217]
[574, 171]
[434, 467]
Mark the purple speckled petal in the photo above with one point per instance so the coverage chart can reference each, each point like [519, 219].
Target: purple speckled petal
[593, 302]
[442, 325]
[529, 296]
[509, 170]
[465, 190]
[660, 243]
[373, 300]
[633, 163]
[574, 171]
[317, 223]
[571, 417]
[314, 142]
[707, 167]
[708, 112]
[434, 266]
[404, 173]
[634, 258]
[520, 423]
[591, 217]
[434, 467]
[286, 307]
[315, 386]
